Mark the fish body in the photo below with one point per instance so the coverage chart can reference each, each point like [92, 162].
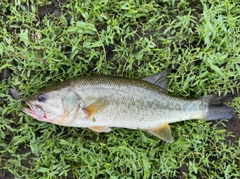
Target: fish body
[102, 102]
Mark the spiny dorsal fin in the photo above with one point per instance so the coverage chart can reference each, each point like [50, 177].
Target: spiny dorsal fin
[159, 79]
[163, 132]
[100, 128]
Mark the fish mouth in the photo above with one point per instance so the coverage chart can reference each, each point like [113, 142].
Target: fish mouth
[35, 111]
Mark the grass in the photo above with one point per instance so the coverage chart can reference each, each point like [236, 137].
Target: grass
[46, 42]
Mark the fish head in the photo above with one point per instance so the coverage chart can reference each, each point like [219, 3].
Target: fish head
[58, 106]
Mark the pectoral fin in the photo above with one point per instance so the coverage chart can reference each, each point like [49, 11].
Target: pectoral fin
[100, 128]
[95, 107]
[163, 132]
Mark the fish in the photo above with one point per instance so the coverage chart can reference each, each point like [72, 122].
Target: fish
[102, 102]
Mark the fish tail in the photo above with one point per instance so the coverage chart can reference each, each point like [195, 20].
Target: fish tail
[217, 109]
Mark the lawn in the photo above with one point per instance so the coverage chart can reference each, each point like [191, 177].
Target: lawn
[42, 43]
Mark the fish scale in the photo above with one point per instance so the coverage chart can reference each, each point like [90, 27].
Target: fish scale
[101, 102]
[152, 106]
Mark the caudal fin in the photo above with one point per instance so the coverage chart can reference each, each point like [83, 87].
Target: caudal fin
[217, 109]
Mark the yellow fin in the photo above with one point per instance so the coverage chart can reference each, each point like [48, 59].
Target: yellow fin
[95, 107]
[100, 128]
[163, 132]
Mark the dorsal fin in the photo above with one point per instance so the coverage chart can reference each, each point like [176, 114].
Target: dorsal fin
[160, 79]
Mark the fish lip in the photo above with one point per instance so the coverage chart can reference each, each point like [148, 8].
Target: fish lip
[30, 111]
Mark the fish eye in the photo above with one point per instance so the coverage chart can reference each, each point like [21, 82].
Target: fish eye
[42, 97]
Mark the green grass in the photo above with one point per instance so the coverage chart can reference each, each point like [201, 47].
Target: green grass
[199, 40]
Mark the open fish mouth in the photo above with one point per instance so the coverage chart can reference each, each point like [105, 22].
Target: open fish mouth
[35, 111]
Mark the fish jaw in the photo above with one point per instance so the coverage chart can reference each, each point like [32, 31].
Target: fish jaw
[36, 112]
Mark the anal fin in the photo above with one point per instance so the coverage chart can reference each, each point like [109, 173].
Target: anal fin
[100, 128]
[163, 132]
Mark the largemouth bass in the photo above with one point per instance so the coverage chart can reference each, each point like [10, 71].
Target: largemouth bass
[101, 102]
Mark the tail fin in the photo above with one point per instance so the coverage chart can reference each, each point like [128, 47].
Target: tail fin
[218, 110]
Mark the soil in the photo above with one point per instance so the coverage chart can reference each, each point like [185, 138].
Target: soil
[54, 9]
